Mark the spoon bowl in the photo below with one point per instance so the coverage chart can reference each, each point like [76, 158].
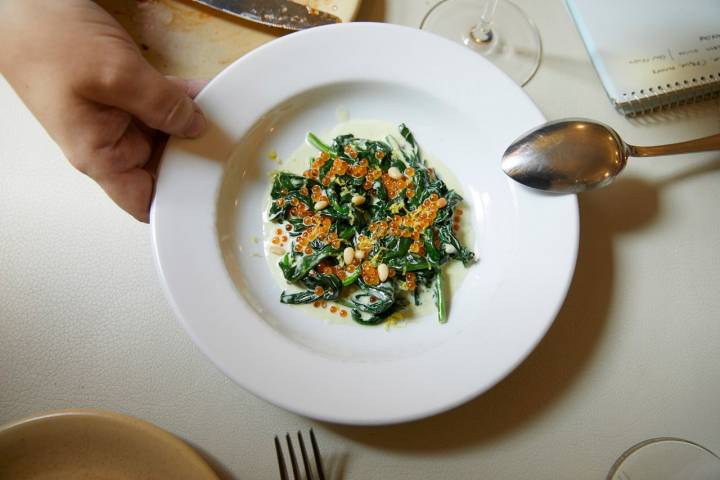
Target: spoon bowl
[575, 155]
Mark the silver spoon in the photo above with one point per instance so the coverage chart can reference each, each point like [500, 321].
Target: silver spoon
[574, 155]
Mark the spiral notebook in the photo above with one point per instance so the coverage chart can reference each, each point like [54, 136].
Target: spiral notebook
[652, 54]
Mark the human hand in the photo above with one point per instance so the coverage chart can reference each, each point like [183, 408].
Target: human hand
[85, 80]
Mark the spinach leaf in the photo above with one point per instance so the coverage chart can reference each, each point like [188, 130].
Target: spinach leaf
[416, 296]
[352, 278]
[298, 226]
[397, 248]
[336, 209]
[325, 169]
[380, 191]
[278, 213]
[414, 158]
[373, 299]
[369, 319]
[294, 266]
[440, 302]
[347, 233]
[425, 277]
[378, 154]
[446, 236]
[432, 254]
[409, 263]
[421, 181]
[445, 215]
[284, 183]
[314, 141]
[331, 284]
[318, 244]
[373, 304]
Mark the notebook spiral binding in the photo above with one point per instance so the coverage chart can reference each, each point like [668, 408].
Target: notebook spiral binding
[661, 97]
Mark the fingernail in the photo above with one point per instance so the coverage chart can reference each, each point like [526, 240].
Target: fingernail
[197, 125]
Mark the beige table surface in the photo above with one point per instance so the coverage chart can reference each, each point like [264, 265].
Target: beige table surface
[634, 353]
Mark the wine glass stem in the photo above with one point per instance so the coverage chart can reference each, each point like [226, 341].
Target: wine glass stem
[481, 32]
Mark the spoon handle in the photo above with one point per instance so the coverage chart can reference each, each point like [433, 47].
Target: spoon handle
[698, 145]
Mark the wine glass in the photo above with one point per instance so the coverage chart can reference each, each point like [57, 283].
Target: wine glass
[497, 29]
[666, 459]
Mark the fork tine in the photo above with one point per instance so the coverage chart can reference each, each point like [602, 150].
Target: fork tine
[303, 452]
[281, 460]
[316, 453]
[293, 460]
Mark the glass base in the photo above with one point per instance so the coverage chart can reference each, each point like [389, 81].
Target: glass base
[512, 42]
[666, 459]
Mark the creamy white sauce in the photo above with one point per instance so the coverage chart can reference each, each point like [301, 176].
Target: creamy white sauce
[300, 160]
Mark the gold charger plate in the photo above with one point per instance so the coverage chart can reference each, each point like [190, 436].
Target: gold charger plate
[94, 444]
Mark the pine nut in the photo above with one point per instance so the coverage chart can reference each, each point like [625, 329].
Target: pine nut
[320, 204]
[359, 254]
[383, 272]
[394, 173]
[357, 200]
[277, 250]
[348, 255]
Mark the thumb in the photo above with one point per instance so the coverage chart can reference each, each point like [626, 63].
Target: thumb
[161, 103]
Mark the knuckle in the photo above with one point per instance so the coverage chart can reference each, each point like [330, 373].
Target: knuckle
[79, 157]
[80, 164]
[106, 75]
[109, 76]
[93, 162]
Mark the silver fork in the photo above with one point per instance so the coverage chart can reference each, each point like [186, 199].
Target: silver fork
[293, 459]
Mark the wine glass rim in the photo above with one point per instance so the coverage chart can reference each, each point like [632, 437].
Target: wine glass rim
[650, 441]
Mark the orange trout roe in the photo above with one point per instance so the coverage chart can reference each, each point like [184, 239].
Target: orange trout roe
[411, 225]
[318, 227]
[350, 152]
[359, 170]
[393, 186]
[371, 176]
[335, 310]
[299, 209]
[318, 194]
[341, 272]
[369, 274]
[410, 281]
[314, 170]
[417, 247]
[339, 167]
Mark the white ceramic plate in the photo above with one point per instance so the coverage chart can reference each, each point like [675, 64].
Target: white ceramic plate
[211, 193]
